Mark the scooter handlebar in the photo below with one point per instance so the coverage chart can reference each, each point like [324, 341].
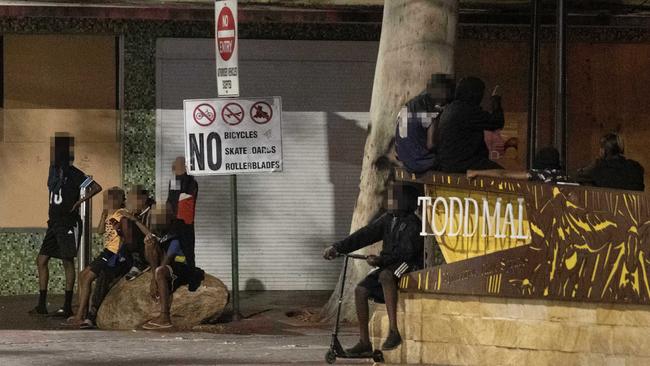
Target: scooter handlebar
[354, 256]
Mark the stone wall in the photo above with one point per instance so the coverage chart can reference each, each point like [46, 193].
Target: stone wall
[457, 330]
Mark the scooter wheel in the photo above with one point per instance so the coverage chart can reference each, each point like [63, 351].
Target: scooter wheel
[330, 357]
[378, 356]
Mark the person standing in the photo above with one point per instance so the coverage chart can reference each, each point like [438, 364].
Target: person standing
[63, 230]
[183, 191]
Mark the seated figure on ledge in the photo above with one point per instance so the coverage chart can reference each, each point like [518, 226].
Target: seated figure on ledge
[417, 124]
[612, 169]
[460, 139]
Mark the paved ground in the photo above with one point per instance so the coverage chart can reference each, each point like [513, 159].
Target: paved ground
[267, 336]
[142, 348]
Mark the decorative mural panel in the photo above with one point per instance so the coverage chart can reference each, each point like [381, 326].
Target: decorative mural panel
[583, 243]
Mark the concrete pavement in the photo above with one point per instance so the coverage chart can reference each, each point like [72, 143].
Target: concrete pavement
[277, 330]
[144, 348]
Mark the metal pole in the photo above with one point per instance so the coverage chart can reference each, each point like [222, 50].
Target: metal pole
[533, 80]
[235, 247]
[85, 241]
[560, 93]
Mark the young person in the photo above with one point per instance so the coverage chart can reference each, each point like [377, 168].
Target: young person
[461, 143]
[138, 203]
[416, 125]
[403, 250]
[546, 169]
[167, 254]
[64, 184]
[181, 198]
[113, 261]
[612, 169]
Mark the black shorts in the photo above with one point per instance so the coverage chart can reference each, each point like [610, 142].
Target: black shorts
[372, 284]
[102, 264]
[61, 241]
[182, 274]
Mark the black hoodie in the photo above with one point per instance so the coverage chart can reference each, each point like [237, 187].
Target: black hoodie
[461, 142]
[399, 230]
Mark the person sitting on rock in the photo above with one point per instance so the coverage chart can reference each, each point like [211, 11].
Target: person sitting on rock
[113, 260]
[416, 125]
[136, 202]
[168, 255]
[403, 250]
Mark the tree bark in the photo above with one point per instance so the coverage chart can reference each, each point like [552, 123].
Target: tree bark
[417, 40]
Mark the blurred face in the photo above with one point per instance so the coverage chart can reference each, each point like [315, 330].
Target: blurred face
[113, 199]
[62, 150]
[440, 87]
[136, 201]
[160, 219]
[392, 203]
[178, 167]
[397, 199]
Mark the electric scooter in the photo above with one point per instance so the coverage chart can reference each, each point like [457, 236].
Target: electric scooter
[336, 350]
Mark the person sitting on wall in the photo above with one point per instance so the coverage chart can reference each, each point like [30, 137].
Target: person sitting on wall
[63, 230]
[113, 261]
[546, 169]
[416, 123]
[168, 255]
[461, 140]
[403, 250]
[612, 169]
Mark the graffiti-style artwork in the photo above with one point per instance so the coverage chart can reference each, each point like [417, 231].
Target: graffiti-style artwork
[569, 242]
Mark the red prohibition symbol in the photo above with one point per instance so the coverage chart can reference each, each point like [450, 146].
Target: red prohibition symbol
[232, 114]
[261, 113]
[204, 115]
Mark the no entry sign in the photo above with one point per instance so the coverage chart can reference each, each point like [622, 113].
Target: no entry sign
[233, 136]
[227, 48]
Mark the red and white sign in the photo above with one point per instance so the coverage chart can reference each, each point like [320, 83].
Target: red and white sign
[227, 48]
[244, 137]
[226, 33]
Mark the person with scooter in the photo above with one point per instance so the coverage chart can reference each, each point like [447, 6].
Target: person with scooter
[402, 251]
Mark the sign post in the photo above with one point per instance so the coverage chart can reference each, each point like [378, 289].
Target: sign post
[227, 57]
[229, 137]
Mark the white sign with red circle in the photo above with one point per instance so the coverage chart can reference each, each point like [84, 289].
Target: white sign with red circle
[233, 136]
[227, 48]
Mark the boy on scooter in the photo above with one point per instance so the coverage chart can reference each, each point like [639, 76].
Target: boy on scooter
[402, 251]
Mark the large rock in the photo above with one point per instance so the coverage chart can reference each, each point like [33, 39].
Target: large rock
[128, 304]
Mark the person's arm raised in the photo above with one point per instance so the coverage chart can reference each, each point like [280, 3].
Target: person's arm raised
[143, 228]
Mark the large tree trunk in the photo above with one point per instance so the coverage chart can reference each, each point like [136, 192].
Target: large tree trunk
[417, 39]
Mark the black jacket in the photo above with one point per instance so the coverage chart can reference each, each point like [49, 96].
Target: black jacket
[616, 172]
[461, 141]
[401, 240]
